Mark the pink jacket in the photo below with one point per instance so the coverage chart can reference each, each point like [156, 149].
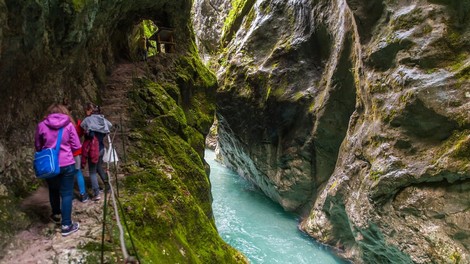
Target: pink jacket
[46, 137]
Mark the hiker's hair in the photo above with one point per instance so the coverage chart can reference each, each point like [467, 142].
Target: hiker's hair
[95, 109]
[66, 103]
[57, 108]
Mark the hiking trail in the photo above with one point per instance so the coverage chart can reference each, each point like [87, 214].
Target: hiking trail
[42, 241]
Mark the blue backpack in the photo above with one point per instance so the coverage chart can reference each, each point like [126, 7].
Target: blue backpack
[46, 161]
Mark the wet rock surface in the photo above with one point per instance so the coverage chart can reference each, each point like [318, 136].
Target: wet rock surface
[357, 113]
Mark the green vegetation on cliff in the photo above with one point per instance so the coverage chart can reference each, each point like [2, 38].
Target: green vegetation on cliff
[167, 192]
[240, 8]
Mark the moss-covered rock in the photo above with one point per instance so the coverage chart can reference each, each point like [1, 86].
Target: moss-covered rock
[56, 49]
[167, 191]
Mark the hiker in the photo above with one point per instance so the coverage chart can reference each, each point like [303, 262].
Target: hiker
[96, 127]
[77, 155]
[60, 186]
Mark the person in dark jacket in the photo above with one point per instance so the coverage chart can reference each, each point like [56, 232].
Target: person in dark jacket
[96, 127]
[61, 186]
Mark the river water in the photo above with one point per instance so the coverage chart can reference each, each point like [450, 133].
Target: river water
[256, 226]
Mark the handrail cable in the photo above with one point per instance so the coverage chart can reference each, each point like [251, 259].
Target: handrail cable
[128, 259]
[104, 224]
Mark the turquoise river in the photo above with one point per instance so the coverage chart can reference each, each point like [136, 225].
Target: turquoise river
[255, 225]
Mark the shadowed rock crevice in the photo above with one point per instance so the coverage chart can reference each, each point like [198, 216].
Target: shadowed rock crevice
[384, 58]
[376, 249]
[343, 233]
[366, 14]
[333, 119]
[461, 9]
[424, 123]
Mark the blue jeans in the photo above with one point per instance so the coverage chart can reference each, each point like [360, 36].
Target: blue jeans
[80, 179]
[61, 193]
[95, 168]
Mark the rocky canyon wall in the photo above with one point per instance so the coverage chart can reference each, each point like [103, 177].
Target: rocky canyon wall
[50, 50]
[354, 114]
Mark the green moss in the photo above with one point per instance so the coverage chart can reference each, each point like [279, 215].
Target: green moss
[388, 117]
[455, 258]
[268, 92]
[375, 175]
[408, 21]
[169, 203]
[298, 95]
[459, 62]
[311, 108]
[461, 146]
[198, 86]
[249, 19]
[78, 5]
[332, 187]
[11, 219]
[265, 7]
[166, 190]
[404, 98]
[95, 246]
[378, 87]
[234, 18]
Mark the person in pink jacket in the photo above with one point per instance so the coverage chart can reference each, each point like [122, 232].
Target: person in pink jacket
[61, 186]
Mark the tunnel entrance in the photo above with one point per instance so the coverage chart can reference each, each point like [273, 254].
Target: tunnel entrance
[139, 40]
[148, 39]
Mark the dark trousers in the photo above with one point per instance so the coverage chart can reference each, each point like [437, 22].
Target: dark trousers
[61, 193]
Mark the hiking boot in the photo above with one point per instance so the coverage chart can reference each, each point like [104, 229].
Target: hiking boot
[55, 218]
[70, 229]
[84, 198]
[96, 195]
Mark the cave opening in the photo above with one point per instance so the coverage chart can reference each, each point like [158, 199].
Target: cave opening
[129, 31]
[145, 28]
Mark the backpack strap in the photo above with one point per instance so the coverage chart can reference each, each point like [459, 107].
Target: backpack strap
[59, 139]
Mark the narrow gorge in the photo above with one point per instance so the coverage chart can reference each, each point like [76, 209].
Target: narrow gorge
[353, 114]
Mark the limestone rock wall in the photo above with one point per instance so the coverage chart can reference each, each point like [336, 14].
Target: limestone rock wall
[55, 49]
[357, 113]
[207, 27]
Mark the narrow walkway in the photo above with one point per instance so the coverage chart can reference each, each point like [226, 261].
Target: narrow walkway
[42, 242]
[115, 102]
